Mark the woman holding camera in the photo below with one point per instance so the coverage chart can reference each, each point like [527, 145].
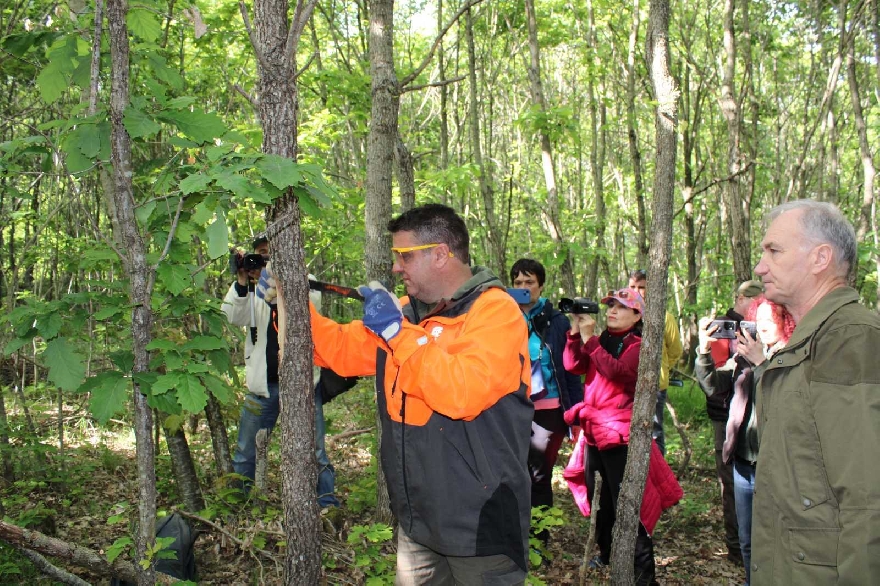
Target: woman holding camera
[610, 362]
[773, 326]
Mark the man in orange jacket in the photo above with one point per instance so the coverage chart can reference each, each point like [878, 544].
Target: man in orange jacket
[452, 377]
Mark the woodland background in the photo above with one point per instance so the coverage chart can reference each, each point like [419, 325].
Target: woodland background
[140, 141]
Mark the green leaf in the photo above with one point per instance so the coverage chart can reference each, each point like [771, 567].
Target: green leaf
[218, 237]
[165, 383]
[49, 325]
[110, 397]
[193, 183]
[279, 171]
[89, 141]
[118, 547]
[52, 82]
[15, 345]
[220, 360]
[235, 183]
[181, 102]
[109, 311]
[123, 360]
[191, 394]
[176, 278]
[196, 124]
[161, 344]
[205, 343]
[197, 368]
[66, 367]
[139, 124]
[218, 388]
[143, 23]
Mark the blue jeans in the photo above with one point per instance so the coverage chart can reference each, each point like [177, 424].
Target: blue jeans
[743, 492]
[257, 413]
[657, 434]
[326, 473]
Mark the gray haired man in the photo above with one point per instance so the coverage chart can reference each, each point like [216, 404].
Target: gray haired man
[816, 513]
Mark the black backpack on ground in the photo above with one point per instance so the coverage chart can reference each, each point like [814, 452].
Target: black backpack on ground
[184, 567]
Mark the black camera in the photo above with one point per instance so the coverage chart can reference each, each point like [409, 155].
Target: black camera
[248, 262]
[578, 305]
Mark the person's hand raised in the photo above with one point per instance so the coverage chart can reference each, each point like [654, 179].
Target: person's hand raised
[705, 332]
[584, 325]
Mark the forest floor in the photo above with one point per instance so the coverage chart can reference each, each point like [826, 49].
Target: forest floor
[92, 501]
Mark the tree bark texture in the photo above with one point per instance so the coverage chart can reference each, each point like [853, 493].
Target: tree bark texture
[275, 44]
[496, 244]
[140, 285]
[551, 212]
[597, 156]
[188, 487]
[633, 485]
[737, 205]
[385, 92]
[869, 172]
[76, 555]
[219, 438]
[632, 133]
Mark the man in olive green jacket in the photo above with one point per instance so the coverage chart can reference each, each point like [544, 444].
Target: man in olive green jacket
[816, 517]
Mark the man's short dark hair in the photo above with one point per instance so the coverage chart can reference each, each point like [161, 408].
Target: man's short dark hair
[639, 275]
[259, 241]
[435, 222]
[528, 266]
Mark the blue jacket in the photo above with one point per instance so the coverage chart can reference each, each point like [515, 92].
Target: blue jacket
[571, 389]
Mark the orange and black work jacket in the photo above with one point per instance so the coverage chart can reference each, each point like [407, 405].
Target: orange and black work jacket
[453, 397]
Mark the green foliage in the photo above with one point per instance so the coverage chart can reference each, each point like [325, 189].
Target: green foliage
[543, 519]
[367, 542]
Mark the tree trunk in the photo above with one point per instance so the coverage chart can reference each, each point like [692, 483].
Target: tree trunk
[868, 170]
[219, 438]
[189, 489]
[275, 44]
[495, 241]
[405, 175]
[737, 205]
[380, 157]
[140, 284]
[597, 155]
[633, 485]
[632, 133]
[551, 212]
[6, 470]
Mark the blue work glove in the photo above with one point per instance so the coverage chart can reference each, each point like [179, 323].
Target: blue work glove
[382, 312]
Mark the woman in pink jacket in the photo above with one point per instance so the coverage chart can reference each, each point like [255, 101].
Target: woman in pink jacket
[610, 364]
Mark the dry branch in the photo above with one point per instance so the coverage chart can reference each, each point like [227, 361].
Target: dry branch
[82, 557]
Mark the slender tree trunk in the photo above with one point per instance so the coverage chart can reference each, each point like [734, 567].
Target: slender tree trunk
[633, 485]
[219, 438]
[737, 206]
[868, 170]
[385, 92]
[275, 43]
[551, 213]
[493, 235]
[632, 133]
[140, 284]
[405, 175]
[6, 470]
[189, 489]
[597, 153]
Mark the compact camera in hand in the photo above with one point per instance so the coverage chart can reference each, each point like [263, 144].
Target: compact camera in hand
[578, 305]
[239, 261]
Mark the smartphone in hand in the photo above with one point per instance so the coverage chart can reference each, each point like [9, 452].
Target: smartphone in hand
[725, 329]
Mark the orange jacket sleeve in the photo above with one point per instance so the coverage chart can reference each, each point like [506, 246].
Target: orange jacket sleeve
[347, 349]
[483, 360]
